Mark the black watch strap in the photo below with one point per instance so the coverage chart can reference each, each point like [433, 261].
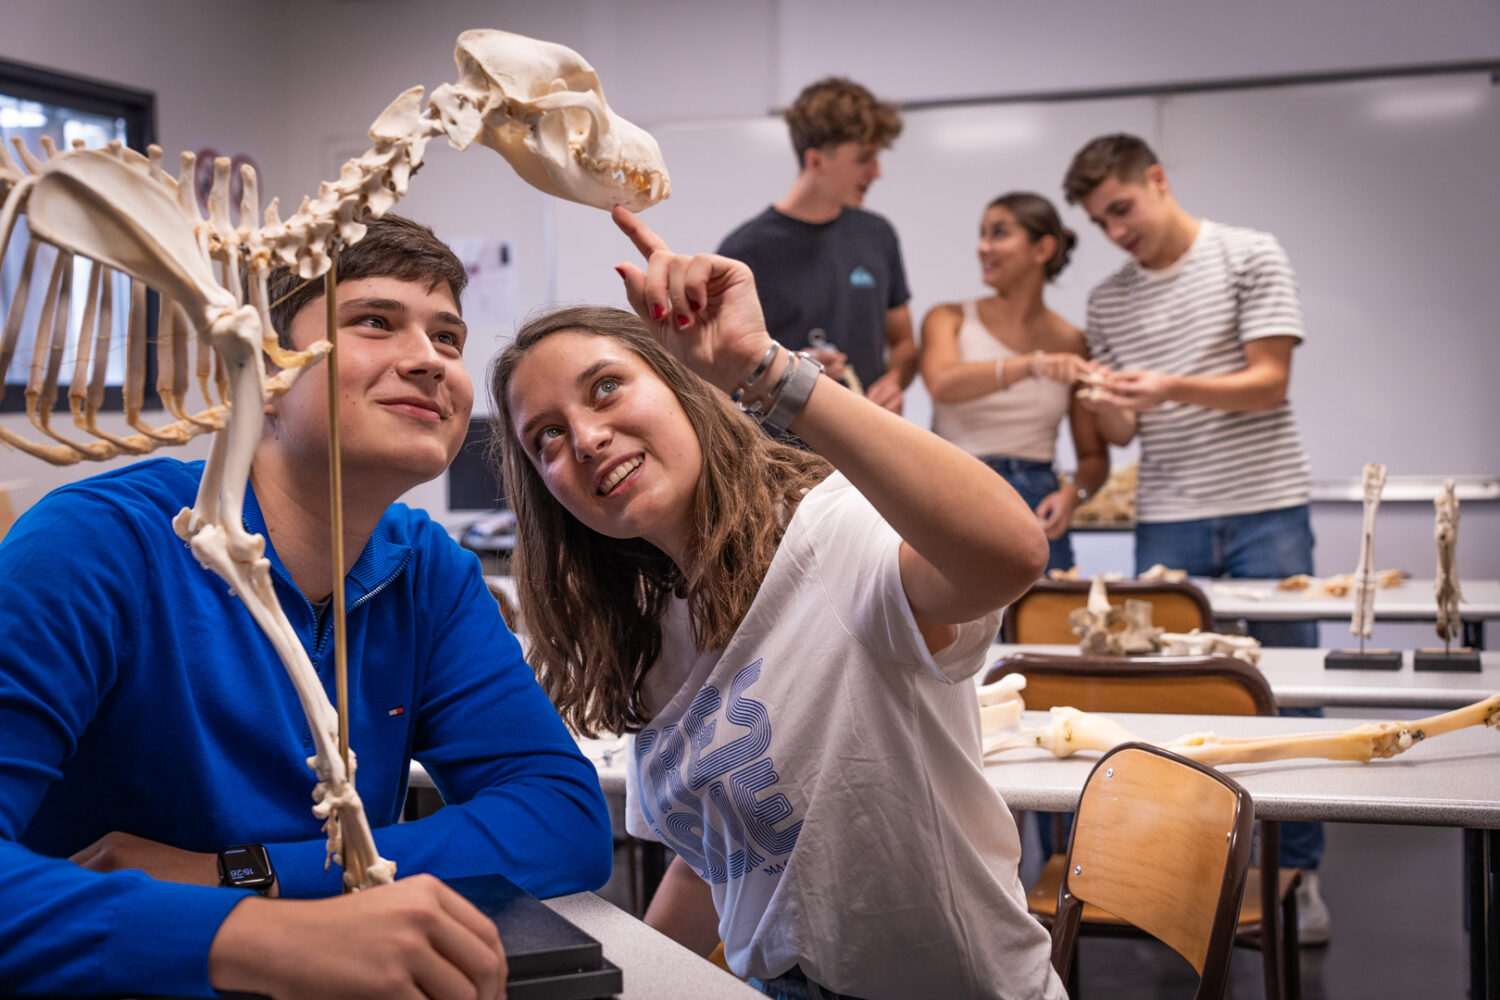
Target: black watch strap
[247, 866]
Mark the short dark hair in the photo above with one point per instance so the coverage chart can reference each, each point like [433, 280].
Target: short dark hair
[1039, 218]
[393, 247]
[1121, 156]
[836, 109]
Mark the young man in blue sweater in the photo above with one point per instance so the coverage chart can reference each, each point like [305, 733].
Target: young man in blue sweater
[146, 723]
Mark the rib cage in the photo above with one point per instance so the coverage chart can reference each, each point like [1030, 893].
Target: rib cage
[86, 374]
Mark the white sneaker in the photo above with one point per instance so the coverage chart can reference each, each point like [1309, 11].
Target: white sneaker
[1312, 912]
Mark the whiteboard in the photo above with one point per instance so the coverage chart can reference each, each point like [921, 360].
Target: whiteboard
[1381, 189]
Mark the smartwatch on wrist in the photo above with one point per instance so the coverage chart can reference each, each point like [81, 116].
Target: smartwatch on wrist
[246, 867]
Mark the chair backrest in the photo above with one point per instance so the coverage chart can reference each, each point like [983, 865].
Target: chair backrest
[1201, 685]
[1162, 842]
[1041, 614]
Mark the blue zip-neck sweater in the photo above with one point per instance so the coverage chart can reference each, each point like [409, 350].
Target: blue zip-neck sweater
[137, 694]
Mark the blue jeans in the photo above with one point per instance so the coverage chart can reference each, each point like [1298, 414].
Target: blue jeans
[793, 985]
[1034, 480]
[1266, 545]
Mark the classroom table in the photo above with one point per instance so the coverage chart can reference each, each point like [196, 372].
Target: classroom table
[1299, 679]
[1414, 600]
[1452, 780]
[653, 966]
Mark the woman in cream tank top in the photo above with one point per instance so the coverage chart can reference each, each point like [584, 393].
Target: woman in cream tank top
[1001, 369]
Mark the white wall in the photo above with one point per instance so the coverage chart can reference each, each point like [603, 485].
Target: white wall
[296, 82]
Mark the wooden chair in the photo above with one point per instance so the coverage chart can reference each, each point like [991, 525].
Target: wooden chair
[1041, 614]
[1207, 685]
[1162, 843]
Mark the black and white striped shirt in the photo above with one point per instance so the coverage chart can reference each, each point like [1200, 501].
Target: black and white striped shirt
[1193, 318]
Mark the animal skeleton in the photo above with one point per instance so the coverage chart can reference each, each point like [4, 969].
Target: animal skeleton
[1445, 586]
[539, 104]
[1071, 730]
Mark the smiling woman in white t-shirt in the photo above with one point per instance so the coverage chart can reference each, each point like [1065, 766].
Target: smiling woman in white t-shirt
[788, 637]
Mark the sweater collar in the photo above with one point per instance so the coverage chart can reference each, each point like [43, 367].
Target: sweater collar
[378, 563]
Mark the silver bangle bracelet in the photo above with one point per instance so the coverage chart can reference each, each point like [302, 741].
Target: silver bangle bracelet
[765, 362]
[789, 403]
[766, 402]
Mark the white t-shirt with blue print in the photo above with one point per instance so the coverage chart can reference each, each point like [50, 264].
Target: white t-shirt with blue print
[822, 772]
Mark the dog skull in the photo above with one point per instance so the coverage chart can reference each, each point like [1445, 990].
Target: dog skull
[539, 104]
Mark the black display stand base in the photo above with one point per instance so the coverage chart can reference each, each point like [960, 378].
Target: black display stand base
[549, 958]
[1369, 659]
[1463, 658]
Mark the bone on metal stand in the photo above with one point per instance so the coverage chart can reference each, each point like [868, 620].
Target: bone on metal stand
[1446, 591]
[1363, 617]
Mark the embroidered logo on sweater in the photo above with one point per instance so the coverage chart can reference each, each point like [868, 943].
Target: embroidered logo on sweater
[861, 278]
[683, 780]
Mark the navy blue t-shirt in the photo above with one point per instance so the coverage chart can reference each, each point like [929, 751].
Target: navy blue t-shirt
[839, 277]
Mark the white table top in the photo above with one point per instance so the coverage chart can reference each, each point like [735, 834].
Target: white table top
[654, 967]
[1298, 678]
[1451, 780]
[1259, 600]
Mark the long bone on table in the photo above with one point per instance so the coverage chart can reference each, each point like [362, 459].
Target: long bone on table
[1070, 730]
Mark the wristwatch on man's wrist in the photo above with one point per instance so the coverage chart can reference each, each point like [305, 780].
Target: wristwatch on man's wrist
[247, 866]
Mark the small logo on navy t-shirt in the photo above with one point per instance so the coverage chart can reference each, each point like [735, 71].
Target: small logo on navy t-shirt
[861, 278]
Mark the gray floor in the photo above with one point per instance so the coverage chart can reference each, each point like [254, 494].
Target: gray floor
[1396, 898]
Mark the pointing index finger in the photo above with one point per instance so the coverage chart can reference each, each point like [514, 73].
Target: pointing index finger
[640, 234]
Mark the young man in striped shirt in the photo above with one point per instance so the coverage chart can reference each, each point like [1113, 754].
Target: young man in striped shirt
[1196, 332]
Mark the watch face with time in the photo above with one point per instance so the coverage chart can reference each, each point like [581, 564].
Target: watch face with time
[246, 867]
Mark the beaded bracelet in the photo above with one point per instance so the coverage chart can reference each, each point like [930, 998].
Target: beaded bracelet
[760, 369]
[790, 400]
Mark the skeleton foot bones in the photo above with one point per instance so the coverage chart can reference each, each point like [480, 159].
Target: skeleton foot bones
[1001, 706]
[539, 104]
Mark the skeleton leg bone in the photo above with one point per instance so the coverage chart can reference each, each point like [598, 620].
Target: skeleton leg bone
[1071, 730]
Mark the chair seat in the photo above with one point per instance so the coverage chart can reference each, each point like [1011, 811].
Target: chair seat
[1042, 899]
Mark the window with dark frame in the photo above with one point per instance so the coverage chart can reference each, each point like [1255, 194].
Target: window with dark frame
[36, 102]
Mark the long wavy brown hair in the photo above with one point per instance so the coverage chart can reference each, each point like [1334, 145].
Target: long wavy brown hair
[592, 605]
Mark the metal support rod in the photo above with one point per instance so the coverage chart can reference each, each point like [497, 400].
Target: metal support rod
[351, 861]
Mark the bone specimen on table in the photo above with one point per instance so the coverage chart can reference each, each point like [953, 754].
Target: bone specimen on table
[1001, 705]
[1340, 584]
[1159, 572]
[1200, 643]
[1445, 584]
[1363, 619]
[1096, 623]
[1114, 502]
[120, 212]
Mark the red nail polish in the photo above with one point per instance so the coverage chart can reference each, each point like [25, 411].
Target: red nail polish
[683, 321]
[620, 270]
[657, 312]
[693, 305]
